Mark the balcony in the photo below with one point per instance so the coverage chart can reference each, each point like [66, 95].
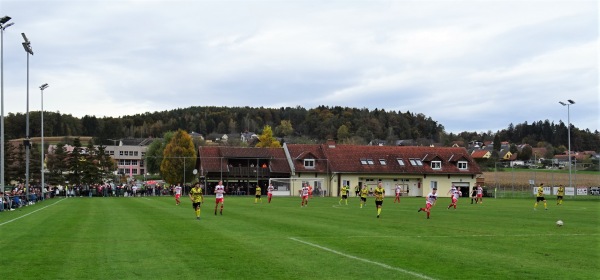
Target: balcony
[249, 172]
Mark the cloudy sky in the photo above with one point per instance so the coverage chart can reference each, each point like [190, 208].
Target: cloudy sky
[470, 65]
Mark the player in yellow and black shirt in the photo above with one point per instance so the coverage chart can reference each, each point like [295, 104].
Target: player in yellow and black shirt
[197, 199]
[560, 194]
[364, 192]
[540, 197]
[344, 191]
[257, 194]
[379, 193]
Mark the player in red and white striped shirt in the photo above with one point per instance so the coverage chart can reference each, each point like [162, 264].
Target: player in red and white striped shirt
[219, 192]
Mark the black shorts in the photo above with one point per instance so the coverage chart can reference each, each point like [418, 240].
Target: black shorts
[344, 196]
[378, 202]
[363, 199]
[196, 204]
[258, 196]
[539, 198]
[559, 197]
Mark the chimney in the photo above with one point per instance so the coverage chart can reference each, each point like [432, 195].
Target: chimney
[331, 143]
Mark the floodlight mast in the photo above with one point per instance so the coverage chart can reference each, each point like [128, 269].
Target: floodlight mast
[3, 26]
[571, 102]
[42, 88]
[29, 51]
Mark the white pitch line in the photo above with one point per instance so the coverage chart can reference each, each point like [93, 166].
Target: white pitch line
[364, 260]
[10, 221]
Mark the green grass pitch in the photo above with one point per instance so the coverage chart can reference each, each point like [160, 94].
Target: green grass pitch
[151, 238]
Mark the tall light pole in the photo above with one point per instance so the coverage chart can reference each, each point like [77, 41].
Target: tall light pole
[29, 51]
[571, 102]
[42, 88]
[3, 25]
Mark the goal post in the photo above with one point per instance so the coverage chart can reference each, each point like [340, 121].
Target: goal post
[293, 186]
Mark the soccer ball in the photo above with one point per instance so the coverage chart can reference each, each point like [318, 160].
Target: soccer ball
[559, 223]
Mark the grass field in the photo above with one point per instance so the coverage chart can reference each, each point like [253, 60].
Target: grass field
[151, 238]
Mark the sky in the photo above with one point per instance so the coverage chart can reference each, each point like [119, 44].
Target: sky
[474, 65]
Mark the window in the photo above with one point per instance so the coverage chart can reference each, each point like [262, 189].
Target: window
[400, 161]
[433, 184]
[382, 161]
[436, 164]
[134, 162]
[363, 161]
[309, 163]
[120, 153]
[111, 153]
[135, 153]
[415, 162]
[142, 164]
[462, 165]
[370, 161]
[143, 154]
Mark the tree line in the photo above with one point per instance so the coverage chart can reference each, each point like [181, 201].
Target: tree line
[295, 124]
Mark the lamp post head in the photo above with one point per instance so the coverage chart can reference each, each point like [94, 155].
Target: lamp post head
[4, 19]
[6, 26]
[562, 103]
[27, 44]
[571, 101]
[44, 86]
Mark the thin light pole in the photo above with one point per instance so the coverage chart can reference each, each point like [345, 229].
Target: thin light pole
[29, 51]
[571, 102]
[42, 88]
[3, 20]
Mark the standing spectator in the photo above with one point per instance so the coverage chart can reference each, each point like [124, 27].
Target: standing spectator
[540, 197]
[219, 194]
[379, 193]
[474, 194]
[357, 190]
[197, 199]
[430, 202]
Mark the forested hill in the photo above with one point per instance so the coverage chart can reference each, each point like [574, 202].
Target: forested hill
[297, 124]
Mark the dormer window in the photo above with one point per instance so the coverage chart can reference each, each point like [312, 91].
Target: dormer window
[382, 162]
[367, 161]
[400, 161]
[309, 163]
[436, 164]
[462, 165]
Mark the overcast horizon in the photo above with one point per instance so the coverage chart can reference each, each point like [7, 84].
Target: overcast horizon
[469, 65]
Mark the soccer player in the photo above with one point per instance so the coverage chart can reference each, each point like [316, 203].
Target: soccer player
[357, 190]
[398, 190]
[430, 202]
[379, 193]
[474, 194]
[363, 196]
[455, 195]
[344, 191]
[304, 194]
[257, 194]
[451, 192]
[310, 191]
[479, 195]
[540, 197]
[197, 199]
[177, 194]
[219, 193]
[270, 189]
[560, 194]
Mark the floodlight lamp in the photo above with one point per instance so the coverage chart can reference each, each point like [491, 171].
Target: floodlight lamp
[562, 103]
[8, 25]
[25, 38]
[4, 19]
[44, 86]
[571, 101]
[27, 48]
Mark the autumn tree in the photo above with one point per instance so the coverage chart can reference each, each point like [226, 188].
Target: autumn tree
[179, 159]
[154, 153]
[266, 139]
[284, 128]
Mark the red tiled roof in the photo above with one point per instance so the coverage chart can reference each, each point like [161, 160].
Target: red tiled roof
[347, 159]
[300, 152]
[479, 153]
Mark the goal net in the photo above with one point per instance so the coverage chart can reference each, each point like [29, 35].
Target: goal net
[293, 186]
